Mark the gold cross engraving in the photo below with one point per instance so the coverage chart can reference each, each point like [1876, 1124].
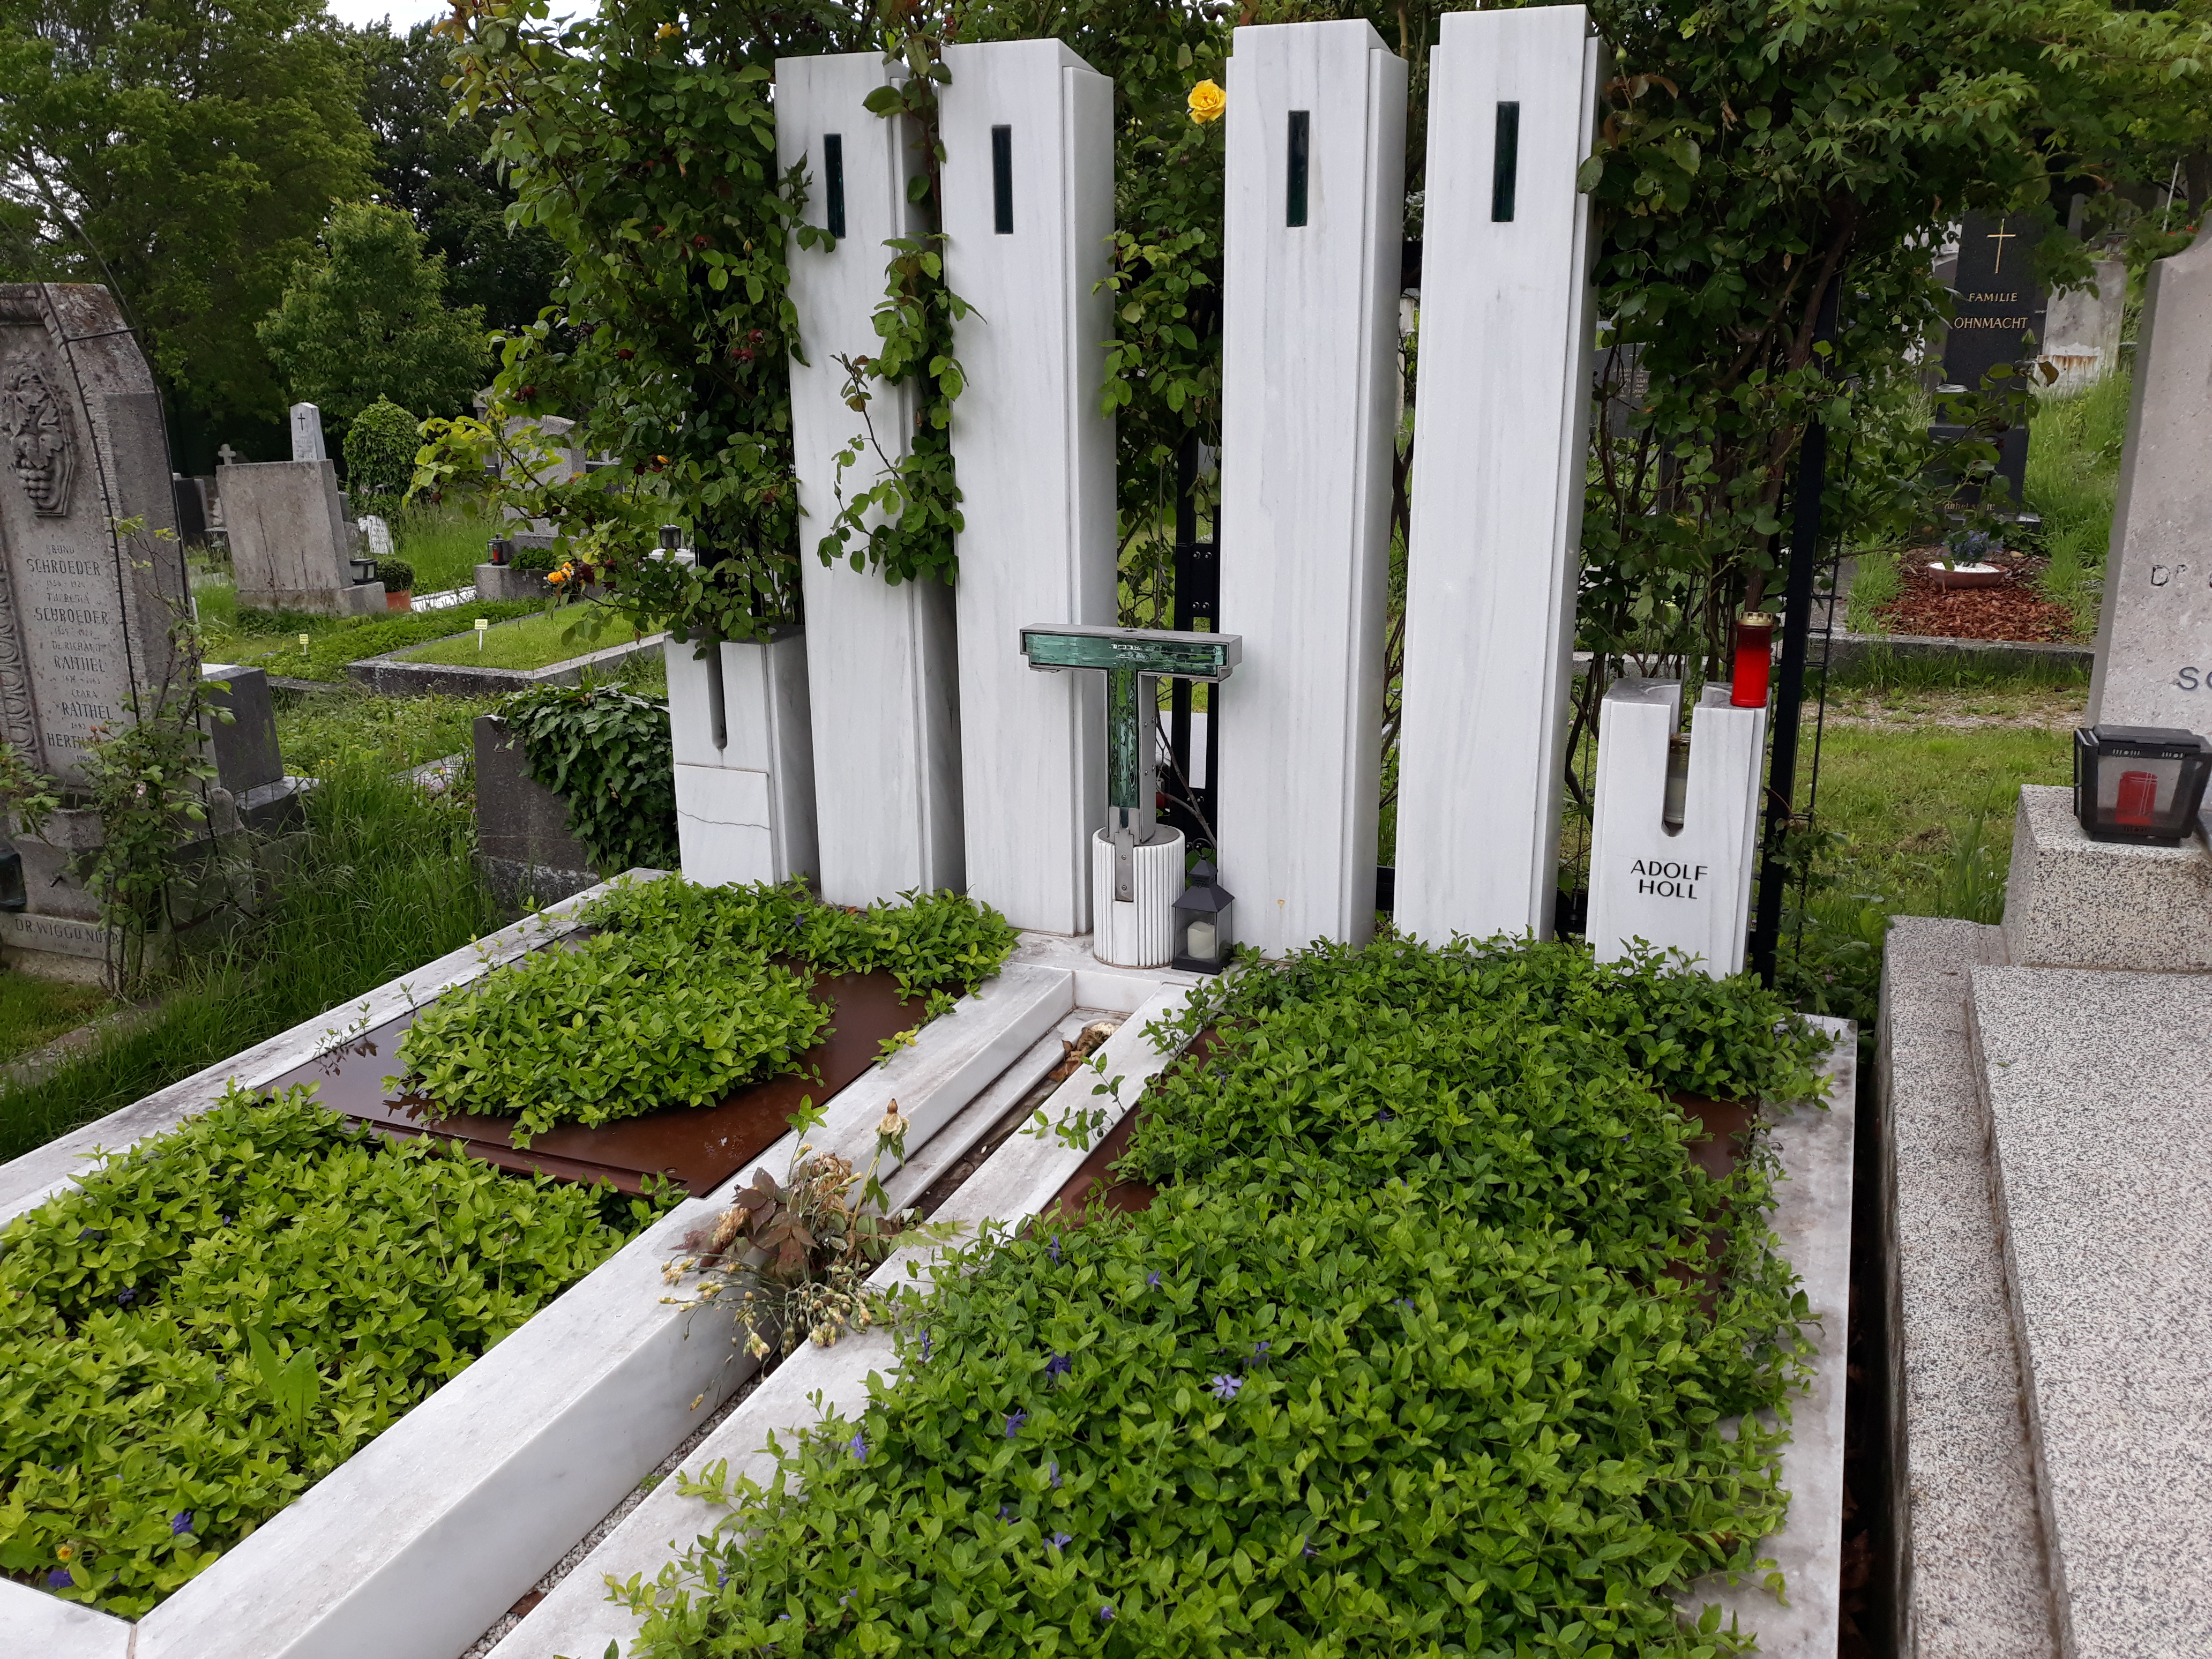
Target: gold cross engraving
[2001, 236]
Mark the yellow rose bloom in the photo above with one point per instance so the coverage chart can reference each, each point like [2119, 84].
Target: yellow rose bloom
[1207, 102]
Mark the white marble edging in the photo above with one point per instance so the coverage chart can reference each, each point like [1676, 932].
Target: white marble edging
[576, 1619]
[1812, 1219]
[423, 1538]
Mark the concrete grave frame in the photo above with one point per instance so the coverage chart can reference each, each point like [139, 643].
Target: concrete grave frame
[423, 1538]
[389, 676]
[1812, 1219]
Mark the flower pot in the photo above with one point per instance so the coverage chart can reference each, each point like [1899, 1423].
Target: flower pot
[403, 600]
[1967, 575]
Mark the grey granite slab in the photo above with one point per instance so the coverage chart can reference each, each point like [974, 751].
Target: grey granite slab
[2095, 1084]
[2073, 903]
[1968, 1575]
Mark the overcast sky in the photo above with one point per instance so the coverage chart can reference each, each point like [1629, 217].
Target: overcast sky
[403, 14]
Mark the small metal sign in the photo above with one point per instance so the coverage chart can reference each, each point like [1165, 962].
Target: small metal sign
[1132, 658]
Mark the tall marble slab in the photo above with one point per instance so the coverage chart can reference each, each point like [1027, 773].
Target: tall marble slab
[308, 434]
[1315, 225]
[85, 609]
[1498, 473]
[881, 659]
[1029, 206]
[2155, 637]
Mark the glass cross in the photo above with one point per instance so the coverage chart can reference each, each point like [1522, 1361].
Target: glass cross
[1134, 659]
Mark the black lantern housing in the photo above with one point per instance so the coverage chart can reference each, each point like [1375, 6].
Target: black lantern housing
[497, 547]
[364, 568]
[12, 895]
[2139, 783]
[1204, 923]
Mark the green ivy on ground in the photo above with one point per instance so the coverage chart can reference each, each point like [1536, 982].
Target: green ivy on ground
[1436, 1341]
[212, 1322]
[680, 997]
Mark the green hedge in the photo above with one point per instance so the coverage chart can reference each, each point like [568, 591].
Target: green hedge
[1416, 1353]
[214, 1320]
[684, 993]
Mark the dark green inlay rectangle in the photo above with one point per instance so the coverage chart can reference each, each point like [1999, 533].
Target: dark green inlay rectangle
[1505, 163]
[833, 180]
[1002, 181]
[1147, 651]
[1294, 195]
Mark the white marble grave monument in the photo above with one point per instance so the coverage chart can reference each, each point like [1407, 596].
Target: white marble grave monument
[745, 758]
[308, 434]
[1314, 228]
[882, 665]
[1498, 473]
[2155, 637]
[1029, 205]
[1682, 883]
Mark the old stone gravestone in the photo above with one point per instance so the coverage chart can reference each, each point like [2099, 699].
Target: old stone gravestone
[1999, 325]
[2155, 637]
[290, 548]
[308, 434]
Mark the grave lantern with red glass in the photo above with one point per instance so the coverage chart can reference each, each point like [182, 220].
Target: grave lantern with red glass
[2139, 783]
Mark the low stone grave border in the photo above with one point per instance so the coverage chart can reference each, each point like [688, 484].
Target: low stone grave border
[426, 1536]
[1812, 1219]
[390, 676]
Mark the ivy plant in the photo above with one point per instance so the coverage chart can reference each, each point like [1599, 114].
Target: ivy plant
[207, 1324]
[607, 753]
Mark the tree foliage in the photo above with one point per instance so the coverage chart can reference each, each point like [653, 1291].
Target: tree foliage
[365, 318]
[182, 153]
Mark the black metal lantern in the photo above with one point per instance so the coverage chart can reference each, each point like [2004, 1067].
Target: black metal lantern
[497, 547]
[2139, 783]
[1204, 923]
[364, 568]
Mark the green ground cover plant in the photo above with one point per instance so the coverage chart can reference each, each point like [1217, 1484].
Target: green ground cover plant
[317, 730]
[531, 642]
[270, 640]
[212, 1322]
[33, 1011]
[683, 993]
[1414, 1353]
[383, 881]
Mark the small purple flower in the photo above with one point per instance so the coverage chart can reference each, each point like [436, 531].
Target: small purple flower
[180, 1523]
[1014, 1421]
[1386, 1116]
[1260, 1351]
[1058, 1365]
[1007, 1513]
[126, 1296]
[229, 1220]
[1053, 1469]
[859, 1443]
[925, 1347]
[1151, 1281]
[92, 1235]
[1052, 1249]
[59, 1579]
[1224, 1387]
[1061, 1540]
[1309, 1550]
[1105, 1613]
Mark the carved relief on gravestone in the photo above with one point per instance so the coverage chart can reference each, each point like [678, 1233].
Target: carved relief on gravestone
[41, 439]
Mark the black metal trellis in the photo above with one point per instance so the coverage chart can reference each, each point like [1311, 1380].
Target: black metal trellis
[1187, 807]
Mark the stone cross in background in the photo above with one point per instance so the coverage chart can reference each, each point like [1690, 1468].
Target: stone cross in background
[2154, 637]
[308, 434]
[227, 456]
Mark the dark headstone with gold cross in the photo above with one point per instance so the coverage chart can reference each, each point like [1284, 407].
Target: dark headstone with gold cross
[1999, 323]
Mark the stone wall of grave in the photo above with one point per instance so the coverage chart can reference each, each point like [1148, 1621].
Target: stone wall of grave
[84, 613]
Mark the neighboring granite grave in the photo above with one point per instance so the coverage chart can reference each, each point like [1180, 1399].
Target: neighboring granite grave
[86, 610]
[290, 546]
[1999, 323]
[2154, 637]
[2082, 330]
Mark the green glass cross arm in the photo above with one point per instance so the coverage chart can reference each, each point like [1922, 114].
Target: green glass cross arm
[1132, 650]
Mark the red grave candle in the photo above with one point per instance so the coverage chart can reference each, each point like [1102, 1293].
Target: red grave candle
[1754, 648]
[2137, 806]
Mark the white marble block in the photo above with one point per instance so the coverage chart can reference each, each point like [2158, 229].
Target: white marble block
[1690, 889]
[1498, 473]
[881, 660]
[1137, 932]
[1035, 461]
[744, 759]
[1310, 400]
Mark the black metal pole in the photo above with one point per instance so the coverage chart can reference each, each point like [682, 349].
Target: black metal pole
[1186, 538]
[1789, 692]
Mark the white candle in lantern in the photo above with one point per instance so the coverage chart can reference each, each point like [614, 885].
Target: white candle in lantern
[1198, 941]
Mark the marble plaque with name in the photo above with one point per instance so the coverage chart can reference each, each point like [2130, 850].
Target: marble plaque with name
[83, 628]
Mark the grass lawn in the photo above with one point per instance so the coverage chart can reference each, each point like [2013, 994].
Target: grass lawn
[531, 642]
[445, 544]
[33, 1011]
[2073, 480]
[320, 731]
[272, 640]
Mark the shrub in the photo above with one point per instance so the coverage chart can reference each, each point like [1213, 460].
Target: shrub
[608, 755]
[213, 1320]
[397, 575]
[543, 560]
[1437, 1341]
[675, 1001]
[380, 452]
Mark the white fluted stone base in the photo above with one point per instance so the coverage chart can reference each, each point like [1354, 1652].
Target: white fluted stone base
[1136, 933]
